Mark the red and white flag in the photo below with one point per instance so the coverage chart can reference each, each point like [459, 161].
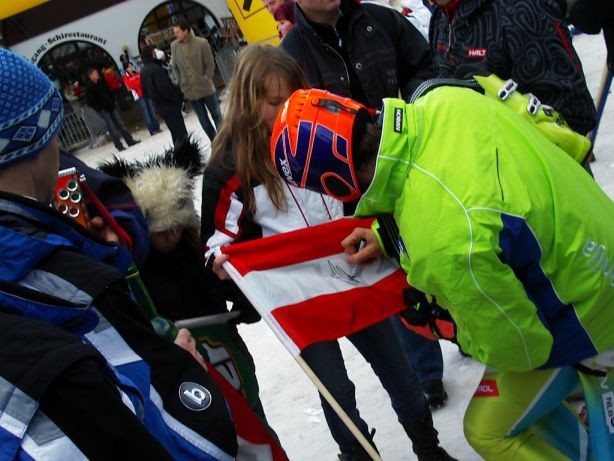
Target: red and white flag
[303, 287]
[255, 441]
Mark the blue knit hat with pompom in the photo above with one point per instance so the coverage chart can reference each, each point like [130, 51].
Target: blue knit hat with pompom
[31, 109]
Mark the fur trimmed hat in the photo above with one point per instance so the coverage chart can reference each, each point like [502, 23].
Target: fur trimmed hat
[31, 109]
[163, 185]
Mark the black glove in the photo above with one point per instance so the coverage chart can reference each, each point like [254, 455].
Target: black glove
[418, 310]
[429, 318]
[247, 313]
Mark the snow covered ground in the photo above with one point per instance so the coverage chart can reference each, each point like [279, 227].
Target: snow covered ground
[290, 400]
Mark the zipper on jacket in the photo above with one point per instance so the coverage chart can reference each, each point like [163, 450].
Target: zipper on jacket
[347, 73]
[433, 83]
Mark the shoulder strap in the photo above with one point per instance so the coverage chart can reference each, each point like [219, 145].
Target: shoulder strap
[431, 84]
[547, 120]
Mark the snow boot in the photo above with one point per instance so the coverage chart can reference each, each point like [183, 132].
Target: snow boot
[357, 453]
[425, 442]
[354, 454]
[435, 393]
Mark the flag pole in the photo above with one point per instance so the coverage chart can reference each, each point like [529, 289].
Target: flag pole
[340, 411]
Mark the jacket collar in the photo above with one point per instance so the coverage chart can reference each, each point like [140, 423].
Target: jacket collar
[349, 11]
[394, 159]
[466, 8]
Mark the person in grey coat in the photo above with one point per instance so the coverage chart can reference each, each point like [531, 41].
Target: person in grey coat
[193, 66]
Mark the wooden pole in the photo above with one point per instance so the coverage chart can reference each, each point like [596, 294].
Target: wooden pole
[340, 412]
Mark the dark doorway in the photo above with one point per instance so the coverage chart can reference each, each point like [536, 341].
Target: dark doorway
[157, 27]
[66, 65]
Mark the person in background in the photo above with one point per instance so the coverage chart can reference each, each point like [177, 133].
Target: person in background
[74, 343]
[125, 59]
[193, 65]
[593, 16]
[100, 98]
[132, 80]
[243, 199]
[164, 59]
[502, 252]
[474, 37]
[272, 5]
[284, 15]
[167, 98]
[417, 13]
[114, 82]
[173, 271]
[355, 33]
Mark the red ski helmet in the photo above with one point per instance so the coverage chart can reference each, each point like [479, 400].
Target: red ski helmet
[313, 140]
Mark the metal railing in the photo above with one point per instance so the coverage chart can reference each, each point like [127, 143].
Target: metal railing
[79, 129]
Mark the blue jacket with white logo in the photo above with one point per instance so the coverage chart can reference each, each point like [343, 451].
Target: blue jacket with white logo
[82, 374]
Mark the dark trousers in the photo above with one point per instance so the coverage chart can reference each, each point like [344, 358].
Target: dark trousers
[200, 107]
[111, 120]
[149, 114]
[171, 113]
[380, 347]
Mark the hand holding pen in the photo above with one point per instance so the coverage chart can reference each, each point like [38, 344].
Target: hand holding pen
[357, 252]
[356, 267]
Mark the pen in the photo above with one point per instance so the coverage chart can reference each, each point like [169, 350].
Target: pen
[355, 267]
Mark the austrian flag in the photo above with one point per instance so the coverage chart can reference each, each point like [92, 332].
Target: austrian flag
[303, 287]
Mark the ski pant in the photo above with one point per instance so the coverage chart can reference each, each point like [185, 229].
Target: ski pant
[524, 416]
[380, 347]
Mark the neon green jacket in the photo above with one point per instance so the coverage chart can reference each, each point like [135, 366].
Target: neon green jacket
[507, 231]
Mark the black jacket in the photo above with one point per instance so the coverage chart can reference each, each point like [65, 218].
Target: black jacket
[383, 51]
[98, 96]
[526, 40]
[158, 87]
[180, 285]
[591, 16]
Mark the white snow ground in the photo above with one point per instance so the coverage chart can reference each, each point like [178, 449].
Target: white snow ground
[290, 400]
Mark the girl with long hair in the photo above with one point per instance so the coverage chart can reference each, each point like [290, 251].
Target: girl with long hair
[243, 199]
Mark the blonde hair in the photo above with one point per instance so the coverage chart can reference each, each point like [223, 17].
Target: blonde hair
[243, 131]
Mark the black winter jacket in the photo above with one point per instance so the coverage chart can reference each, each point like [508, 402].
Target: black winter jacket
[179, 284]
[385, 51]
[98, 96]
[526, 40]
[158, 87]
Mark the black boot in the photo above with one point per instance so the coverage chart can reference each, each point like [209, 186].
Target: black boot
[424, 440]
[435, 393]
[354, 454]
[357, 453]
